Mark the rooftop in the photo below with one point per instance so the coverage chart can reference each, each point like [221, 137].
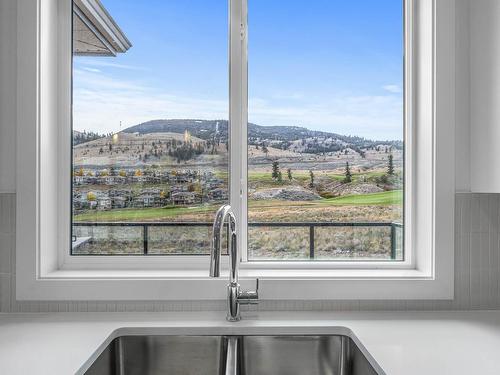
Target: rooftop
[95, 32]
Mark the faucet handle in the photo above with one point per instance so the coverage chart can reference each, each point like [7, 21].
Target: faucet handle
[249, 297]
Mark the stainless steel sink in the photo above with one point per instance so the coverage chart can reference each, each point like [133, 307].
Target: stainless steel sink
[232, 355]
[294, 355]
[151, 355]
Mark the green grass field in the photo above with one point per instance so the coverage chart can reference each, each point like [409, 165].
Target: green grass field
[385, 198]
[374, 199]
[143, 214]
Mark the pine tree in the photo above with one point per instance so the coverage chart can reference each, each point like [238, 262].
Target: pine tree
[265, 149]
[276, 170]
[289, 174]
[390, 165]
[280, 177]
[347, 173]
[311, 177]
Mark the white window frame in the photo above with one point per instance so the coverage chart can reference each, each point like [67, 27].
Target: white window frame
[45, 270]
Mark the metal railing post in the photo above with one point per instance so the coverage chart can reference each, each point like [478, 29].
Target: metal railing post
[311, 242]
[393, 241]
[145, 239]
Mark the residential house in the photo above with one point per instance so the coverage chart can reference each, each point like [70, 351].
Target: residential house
[78, 180]
[103, 203]
[218, 194]
[149, 198]
[183, 198]
[119, 202]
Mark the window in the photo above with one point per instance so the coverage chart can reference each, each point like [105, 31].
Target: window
[150, 128]
[325, 138]
[45, 268]
[326, 130]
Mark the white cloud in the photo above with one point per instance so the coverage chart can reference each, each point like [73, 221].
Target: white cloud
[92, 70]
[395, 89]
[101, 103]
[102, 83]
[374, 117]
[109, 64]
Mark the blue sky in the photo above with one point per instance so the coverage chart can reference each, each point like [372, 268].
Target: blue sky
[331, 65]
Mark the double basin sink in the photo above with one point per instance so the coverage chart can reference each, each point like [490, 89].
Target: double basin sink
[232, 355]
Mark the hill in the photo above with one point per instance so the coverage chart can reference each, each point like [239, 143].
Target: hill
[298, 138]
[164, 142]
[126, 149]
[83, 137]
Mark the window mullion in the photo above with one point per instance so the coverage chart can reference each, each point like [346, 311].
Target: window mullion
[238, 116]
[244, 124]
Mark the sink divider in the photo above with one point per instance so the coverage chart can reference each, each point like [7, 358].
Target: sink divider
[232, 355]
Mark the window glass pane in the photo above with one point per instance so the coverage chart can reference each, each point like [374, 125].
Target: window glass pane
[150, 105]
[326, 130]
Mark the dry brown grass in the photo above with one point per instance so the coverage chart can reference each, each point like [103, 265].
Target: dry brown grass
[271, 243]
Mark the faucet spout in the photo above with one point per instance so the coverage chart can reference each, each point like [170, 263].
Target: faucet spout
[235, 297]
[217, 235]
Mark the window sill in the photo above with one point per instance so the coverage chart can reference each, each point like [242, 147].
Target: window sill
[196, 285]
[265, 274]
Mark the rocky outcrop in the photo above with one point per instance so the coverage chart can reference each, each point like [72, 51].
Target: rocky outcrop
[355, 189]
[285, 194]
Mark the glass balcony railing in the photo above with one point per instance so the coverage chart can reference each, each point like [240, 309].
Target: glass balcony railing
[276, 241]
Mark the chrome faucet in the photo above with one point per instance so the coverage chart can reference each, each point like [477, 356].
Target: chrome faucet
[235, 296]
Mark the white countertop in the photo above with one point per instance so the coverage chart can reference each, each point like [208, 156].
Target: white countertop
[406, 343]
